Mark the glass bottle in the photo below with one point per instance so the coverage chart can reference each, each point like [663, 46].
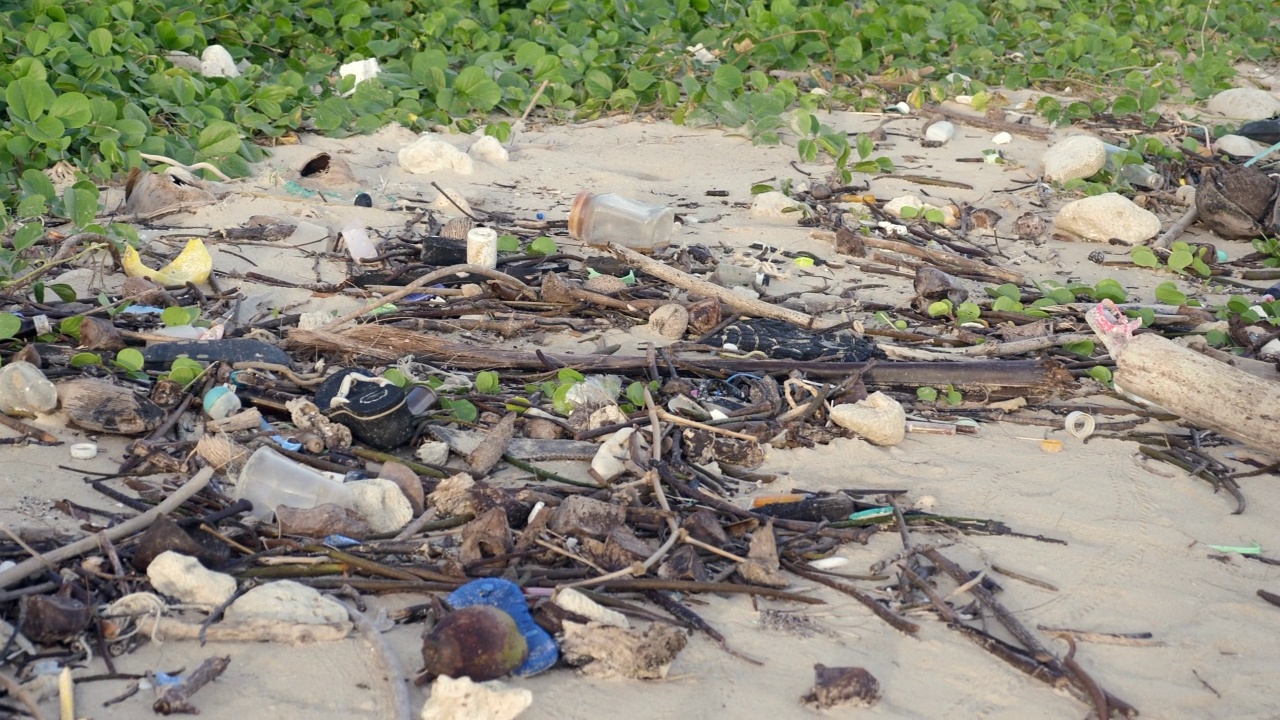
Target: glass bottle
[612, 218]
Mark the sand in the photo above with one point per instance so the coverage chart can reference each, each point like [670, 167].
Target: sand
[1131, 537]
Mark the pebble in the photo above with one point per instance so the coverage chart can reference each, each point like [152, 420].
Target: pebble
[285, 601]
[1245, 104]
[490, 150]
[1238, 145]
[183, 577]
[430, 154]
[774, 204]
[1111, 215]
[215, 61]
[1002, 138]
[1078, 156]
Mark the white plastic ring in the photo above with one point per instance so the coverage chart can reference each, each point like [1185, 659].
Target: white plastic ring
[1079, 424]
[84, 451]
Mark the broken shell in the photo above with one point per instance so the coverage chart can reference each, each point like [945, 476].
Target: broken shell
[669, 321]
[480, 642]
[325, 169]
[879, 418]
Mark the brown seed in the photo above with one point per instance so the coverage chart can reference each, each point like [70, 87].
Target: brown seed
[481, 642]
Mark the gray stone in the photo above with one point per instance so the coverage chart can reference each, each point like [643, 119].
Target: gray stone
[1245, 104]
[1238, 145]
[1076, 157]
[1102, 217]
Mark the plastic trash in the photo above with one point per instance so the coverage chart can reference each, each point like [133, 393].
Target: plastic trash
[270, 479]
[612, 218]
[482, 247]
[25, 391]
[359, 246]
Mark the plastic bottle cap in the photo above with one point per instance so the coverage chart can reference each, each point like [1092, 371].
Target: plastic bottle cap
[84, 451]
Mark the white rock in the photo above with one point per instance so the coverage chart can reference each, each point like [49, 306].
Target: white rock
[215, 61]
[314, 320]
[381, 503]
[361, 69]
[433, 452]
[940, 132]
[183, 577]
[1245, 104]
[462, 698]
[1102, 217]
[575, 602]
[1238, 145]
[490, 150]
[1078, 156]
[879, 418]
[1002, 138]
[429, 154]
[285, 601]
[774, 204]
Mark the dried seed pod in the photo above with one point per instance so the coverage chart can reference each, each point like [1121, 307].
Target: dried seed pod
[480, 642]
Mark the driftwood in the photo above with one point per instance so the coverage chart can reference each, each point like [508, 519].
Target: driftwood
[1035, 379]
[848, 243]
[1203, 391]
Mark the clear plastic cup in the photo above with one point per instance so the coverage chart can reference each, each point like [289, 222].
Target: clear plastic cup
[270, 479]
[25, 391]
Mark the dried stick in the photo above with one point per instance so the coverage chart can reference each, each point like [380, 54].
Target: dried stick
[420, 282]
[30, 566]
[899, 623]
[1188, 218]
[177, 699]
[189, 168]
[685, 281]
[1082, 678]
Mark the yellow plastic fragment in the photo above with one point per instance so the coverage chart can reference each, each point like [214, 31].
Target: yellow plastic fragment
[193, 264]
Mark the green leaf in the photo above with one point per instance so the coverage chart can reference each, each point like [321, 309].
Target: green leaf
[129, 359]
[73, 109]
[954, 397]
[935, 216]
[487, 383]
[598, 84]
[85, 359]
[1083, 347]
[477, 89]
[219, 138]
[28, 235]
[1109, 289]
[463, 410]
[10, 324]
[1004, 304]
[178, 316]
[1124, 105]
[927, 394]
[508, 243]
[80, 201]
[28, 97]
[940, 308]
[908, 212]
[1217, 338]
[1179, 260]
[1169, 294]
[1101, 373]
[635, 393]
[968, 312]
[396, 377]
[1010, 291]
[567, 376]
[1143, 256]
[71, 326]
[100, 41]
[543, 246]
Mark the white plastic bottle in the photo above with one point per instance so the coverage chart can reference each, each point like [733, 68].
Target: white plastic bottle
[270, 479]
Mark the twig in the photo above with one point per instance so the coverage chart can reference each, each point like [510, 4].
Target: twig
[423, 281]
[1082, 678]
[534, 100]
[30, 431]
[453, 202]
[1175, 230]
[677, 420]
[177, 699]
[29, 567]
[684, 614]
[1028, 580]
[899, 623]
